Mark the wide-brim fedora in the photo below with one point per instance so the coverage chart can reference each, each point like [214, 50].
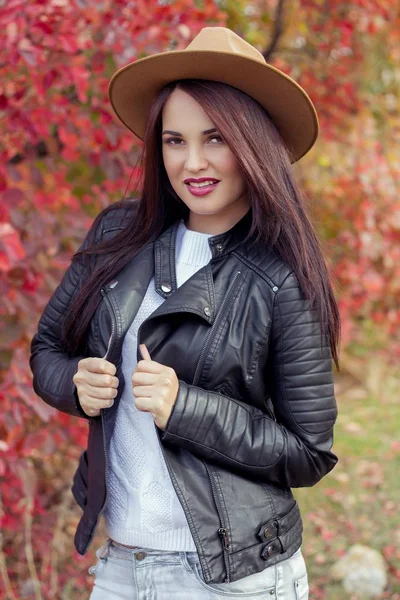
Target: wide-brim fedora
[217, 54]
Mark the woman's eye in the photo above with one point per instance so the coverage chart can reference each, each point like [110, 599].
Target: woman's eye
[170, 140]
[177, 141]
[216, 137]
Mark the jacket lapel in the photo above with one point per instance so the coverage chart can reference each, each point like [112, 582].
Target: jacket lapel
[126, 292]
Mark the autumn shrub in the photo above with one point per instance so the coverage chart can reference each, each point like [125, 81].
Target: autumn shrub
[63, 157]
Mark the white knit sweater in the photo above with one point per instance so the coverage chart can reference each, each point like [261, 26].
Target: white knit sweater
[142, 507]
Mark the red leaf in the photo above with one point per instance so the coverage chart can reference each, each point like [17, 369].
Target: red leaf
[3, 102]
[10, 247]
[13, 196]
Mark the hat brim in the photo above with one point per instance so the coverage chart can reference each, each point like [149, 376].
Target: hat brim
[133, 88]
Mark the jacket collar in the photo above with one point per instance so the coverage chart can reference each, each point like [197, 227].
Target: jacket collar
[165, 247]
[197, 295]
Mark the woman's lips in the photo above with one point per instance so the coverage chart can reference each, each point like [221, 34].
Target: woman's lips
[201, 191]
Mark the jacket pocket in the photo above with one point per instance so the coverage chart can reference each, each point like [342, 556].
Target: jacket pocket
[80, 481]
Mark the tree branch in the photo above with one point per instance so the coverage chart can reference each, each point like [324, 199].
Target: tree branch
[277, 31]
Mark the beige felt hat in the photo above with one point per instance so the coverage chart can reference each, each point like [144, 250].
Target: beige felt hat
[217, 54]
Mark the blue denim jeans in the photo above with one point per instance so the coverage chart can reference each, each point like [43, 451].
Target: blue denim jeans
[143, 574]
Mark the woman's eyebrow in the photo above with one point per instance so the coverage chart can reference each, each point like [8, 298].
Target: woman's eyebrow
[206, 132]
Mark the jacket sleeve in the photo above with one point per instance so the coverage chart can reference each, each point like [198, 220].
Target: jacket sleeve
[53, 368]
[295, 449]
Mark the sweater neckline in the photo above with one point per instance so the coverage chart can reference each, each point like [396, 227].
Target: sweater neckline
[192, 247]
[183, 227]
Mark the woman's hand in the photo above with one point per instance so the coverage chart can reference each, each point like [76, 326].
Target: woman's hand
[155, 387]
[96, 384]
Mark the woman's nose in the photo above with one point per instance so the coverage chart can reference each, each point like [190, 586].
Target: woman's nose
[195, 160]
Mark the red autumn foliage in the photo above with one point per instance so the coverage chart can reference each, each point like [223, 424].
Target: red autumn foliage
[64, 156]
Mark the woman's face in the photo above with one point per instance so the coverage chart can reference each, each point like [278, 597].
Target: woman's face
[194, 150]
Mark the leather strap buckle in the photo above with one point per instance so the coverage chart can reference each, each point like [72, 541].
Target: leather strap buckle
[268, 531]
[273, 547]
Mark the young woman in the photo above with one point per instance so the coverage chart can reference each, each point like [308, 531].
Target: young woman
[195, 331]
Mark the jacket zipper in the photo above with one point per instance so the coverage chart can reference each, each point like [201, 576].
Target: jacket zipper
[200, 362]
[110, 342]
[113, 322]
[222, 530]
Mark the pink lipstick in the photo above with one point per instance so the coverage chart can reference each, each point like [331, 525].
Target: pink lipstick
[208, 185]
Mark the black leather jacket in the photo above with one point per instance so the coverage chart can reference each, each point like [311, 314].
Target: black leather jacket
[255, 408]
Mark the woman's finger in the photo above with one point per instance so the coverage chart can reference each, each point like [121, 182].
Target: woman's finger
[96, 380]
[150, 366]
[145, 352]
[142, 390]
[144, 404]
[142, 378]
[83, 376]
[100, 393]
[97, 365]
[94, 404]
[93, 412]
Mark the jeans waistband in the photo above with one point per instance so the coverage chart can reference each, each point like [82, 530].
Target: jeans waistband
[140, 553]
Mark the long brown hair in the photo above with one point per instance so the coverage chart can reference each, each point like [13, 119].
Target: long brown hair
[279, 215]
